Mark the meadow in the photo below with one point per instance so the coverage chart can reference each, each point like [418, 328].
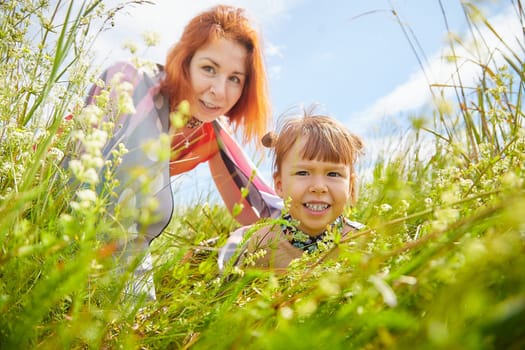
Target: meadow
[439, 265]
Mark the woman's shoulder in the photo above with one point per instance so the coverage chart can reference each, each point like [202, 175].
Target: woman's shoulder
[124, 67]
[130, 71]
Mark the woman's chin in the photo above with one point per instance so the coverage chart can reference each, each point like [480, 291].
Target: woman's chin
[207, 117]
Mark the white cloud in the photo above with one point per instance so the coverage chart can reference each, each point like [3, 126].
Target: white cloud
[415, 93]
[273, 50]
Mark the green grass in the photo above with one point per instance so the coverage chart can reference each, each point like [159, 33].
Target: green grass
[439, 265]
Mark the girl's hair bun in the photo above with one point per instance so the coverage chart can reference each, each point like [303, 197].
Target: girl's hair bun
[269, 140]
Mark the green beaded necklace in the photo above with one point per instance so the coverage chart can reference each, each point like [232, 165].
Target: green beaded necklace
[305, 242]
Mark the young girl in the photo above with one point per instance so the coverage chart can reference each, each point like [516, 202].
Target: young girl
[314, 158]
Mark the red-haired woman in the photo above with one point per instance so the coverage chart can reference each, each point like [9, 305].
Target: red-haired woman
[216, 66]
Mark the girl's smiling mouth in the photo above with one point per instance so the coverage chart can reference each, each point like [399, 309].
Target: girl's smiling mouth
[316, 206]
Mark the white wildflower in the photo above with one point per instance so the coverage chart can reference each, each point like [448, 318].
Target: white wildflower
[151, 38]
[466, 184]
[144, 65]
[87, 195]
[56, 153]
[78, 135]
[286, 313]
[125, 99]
[90, 116]
[131, 46]
[83, 174]
[238, 271]
[100, 83]
[90, 176]
[102, 99]
[125, 87]
[384, 208]
[90, 161]
[116, 79]
[76, 166]
[95, 141]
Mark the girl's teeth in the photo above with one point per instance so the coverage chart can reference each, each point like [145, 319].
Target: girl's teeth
[316, 207]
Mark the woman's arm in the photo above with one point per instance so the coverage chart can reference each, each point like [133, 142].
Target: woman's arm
[230, 191]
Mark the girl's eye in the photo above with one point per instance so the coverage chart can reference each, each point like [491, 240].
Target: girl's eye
[334, 174]
[301, 173]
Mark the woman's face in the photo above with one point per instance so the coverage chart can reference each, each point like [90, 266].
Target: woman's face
[217, 73]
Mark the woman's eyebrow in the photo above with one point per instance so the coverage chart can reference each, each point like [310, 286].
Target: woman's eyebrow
[205, 58]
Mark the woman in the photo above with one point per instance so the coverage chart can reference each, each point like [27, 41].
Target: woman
[217, 66]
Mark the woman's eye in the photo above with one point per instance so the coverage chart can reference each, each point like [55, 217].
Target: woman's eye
[208, 69]
[235, 79]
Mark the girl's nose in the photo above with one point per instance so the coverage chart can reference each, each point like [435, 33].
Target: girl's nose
[318, 186]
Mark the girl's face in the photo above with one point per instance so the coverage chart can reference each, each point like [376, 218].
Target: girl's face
[217, 73]
[318, 191]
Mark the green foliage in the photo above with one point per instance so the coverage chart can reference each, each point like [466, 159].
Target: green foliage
[438, 266]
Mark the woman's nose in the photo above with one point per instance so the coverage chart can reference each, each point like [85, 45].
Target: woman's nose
[218, 87]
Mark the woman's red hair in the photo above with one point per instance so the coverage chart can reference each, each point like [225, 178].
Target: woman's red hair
[252, 111]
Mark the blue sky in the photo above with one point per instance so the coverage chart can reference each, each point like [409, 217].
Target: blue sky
[350, 57]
